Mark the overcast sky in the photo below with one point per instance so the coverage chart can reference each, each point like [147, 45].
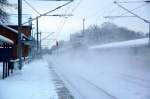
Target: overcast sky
[93, 11]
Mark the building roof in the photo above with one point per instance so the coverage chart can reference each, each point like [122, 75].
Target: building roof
[5, 40]
[11, 29]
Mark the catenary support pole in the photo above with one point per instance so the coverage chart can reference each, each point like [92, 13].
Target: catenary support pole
[3, 70]
[19, 33]
[149, 34]
[37, 30]
[147, 21]
[83, 26]
[40, 44]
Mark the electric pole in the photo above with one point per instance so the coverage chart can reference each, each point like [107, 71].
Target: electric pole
[149, 33]
[46, 14]
[19, 49]
[37, 31]
[40, 44]
[134, 15]
[83, 26]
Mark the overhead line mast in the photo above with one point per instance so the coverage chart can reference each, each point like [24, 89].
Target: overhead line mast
[134, 15]
[19, 49]
[147, 21]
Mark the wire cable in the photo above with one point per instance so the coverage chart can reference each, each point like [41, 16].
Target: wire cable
[31, 7]
[47, 36]
[99, 11]
[78, 4]
[61, 26]
[59, 7]
[134, 9]
[133, 1]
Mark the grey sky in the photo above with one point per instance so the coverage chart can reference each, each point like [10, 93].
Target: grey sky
[92, 10]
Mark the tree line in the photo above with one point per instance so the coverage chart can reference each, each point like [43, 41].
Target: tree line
[94, 34]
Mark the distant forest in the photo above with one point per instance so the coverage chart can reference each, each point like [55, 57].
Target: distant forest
[106, 33]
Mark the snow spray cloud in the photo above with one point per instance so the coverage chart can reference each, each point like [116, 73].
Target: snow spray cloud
[78, 59]
[106, 68]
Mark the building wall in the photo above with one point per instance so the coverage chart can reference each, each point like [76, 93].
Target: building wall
[25, 29]
[14, 37]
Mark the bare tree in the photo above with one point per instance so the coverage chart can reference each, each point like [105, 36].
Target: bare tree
[3, 14]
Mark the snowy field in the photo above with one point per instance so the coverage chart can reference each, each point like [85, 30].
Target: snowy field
[33, 82]
[107, 75]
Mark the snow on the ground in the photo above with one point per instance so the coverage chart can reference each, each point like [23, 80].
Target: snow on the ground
[123, 44]
[32, 82]
[92, 75]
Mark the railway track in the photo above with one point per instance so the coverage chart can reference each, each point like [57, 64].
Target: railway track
[61, 89]
[134, 77]
[100, 89]
[136, 80]
[73, 86]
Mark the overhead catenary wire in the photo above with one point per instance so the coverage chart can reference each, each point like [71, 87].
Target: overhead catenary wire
[122, 15]
[47, 36]
[131, 12]
[98, 13]
[135, 1]
[104, 10]
[76, 6]
[40, 15]
[48, 12]
[62, 24]
[137, 16]
[125, 12]
[54, 0]
[101, 12]
[60, 27]
[72, 10]
[32, 7]
[134, 9]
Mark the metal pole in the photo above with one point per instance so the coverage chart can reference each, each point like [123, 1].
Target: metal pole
[19, 33]
[40, 44]
[37, 30]
[30, 25]
[3, 70]
[83, 26]
[149, 33]
[30, 35]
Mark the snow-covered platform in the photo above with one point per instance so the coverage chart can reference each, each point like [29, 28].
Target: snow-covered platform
[33, 82]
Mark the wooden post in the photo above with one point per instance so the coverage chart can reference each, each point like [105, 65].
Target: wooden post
[8, 68]
[3, 70]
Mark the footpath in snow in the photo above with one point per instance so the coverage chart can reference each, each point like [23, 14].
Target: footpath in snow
[32, 82]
